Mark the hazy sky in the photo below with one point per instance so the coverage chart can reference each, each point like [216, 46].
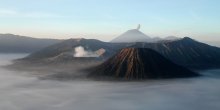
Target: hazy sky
[105, 19]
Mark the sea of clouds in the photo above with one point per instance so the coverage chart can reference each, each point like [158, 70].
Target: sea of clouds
[19, 91]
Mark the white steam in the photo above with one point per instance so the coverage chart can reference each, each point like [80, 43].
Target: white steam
[81, 52]
[138, 27]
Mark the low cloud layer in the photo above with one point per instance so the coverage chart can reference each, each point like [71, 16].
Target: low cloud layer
[21, 92]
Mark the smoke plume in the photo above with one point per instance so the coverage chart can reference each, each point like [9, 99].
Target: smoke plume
[81, 52]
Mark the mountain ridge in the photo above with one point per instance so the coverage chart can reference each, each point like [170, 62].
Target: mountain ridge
[10, 43]
[185, 52]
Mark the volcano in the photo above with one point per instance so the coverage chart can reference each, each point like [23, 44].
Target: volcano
[133, 35]
[139, 64]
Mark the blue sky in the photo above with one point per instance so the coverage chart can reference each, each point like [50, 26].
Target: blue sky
[105, 19]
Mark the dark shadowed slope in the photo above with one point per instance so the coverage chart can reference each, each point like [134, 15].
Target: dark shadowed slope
[10, 43]
[140, 63]
[187, 52]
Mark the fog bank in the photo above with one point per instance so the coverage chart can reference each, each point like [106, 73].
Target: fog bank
[18, 91]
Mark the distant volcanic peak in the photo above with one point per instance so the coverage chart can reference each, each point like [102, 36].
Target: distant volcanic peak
[140, 63]
[133, 35]
[137, 32]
